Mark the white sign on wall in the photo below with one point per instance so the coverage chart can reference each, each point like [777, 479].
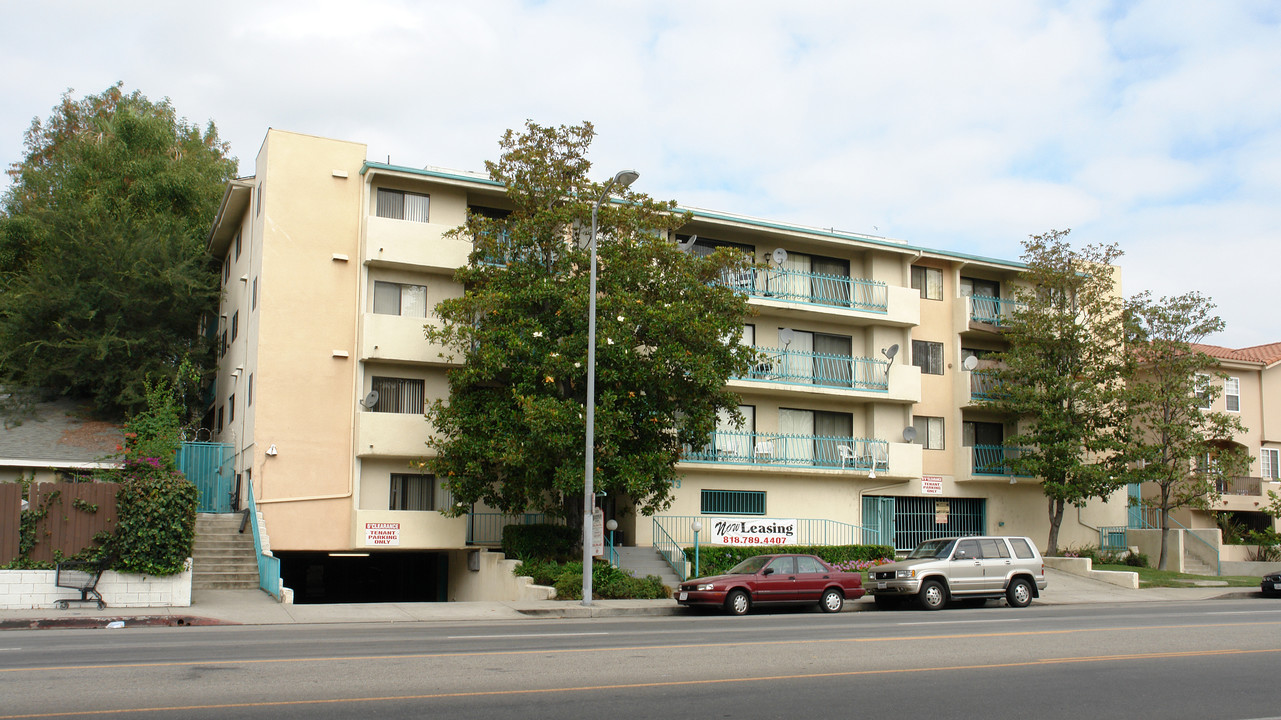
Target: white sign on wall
[932, 485]
[385, 534]
[598, 532]
[749, 531]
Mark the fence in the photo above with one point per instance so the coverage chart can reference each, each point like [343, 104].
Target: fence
[779, 283]
[747, 448]
[10, 515]
[74, 514]
[208, 466]
[486, 528]
[796, 367]
[268, 565]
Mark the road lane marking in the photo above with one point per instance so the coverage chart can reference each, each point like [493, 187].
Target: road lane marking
[635, 686]
[628, 648]
[962, 622]
[526, 635]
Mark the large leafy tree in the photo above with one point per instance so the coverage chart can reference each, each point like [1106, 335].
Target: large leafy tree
[1062, 375]
[1177, 442]
[103, 269]
[512, 433]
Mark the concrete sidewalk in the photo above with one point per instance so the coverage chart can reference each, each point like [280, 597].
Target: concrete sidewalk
[254, 607]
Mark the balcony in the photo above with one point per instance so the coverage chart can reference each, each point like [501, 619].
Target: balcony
[992, 461]
[794, 289]
[382, 434]
[1249, 494]
[774, 450]
[410, 245]
[825, 374]
[396, 338]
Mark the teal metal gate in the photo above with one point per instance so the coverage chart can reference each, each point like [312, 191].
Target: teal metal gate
[913, 520]
[208, 466]
[878, 521]
[1134, 514]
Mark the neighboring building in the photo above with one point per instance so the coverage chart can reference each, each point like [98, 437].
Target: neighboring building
[332, 264]
[1251, 391]
[54, 441]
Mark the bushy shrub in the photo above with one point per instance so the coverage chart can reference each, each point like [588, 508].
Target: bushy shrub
[717, 559]
[156, 522]
[543, 541]
[1136, 560]
[608, 582]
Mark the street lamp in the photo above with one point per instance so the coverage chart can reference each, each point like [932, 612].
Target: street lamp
[622, 180]
[696, 526]
[611, 525]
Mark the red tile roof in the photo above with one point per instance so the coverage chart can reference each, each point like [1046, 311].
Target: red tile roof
[1265, 354]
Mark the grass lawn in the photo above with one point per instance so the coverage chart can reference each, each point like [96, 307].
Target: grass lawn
[1151, 577]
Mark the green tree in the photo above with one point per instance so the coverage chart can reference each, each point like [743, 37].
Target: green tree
[103, 269]
[512, 432]
[1061, 376]
[1177, 442]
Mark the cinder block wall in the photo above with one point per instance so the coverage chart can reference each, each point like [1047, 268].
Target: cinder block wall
[35, 589]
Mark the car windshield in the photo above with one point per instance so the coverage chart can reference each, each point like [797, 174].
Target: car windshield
[749, 566]
[932, 549]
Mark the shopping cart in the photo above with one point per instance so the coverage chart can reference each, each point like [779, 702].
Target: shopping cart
[80, 575]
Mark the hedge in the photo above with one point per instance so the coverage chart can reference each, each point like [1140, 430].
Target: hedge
[540, 542]
[716, 559]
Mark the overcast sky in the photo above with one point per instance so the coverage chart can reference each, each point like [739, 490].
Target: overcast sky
[962, 126]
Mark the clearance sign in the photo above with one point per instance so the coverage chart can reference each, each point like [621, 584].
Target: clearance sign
[382, 534]
[756, 531]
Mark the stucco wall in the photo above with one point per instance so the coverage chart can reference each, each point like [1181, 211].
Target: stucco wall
[492, 581]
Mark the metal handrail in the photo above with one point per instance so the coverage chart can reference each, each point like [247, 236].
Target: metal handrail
[1150, 519]
[798, 367]
[268, 565]
[786, 285]
[670, 550]
[993, 310]
[994, 459]
[748, 448]
[486, 528]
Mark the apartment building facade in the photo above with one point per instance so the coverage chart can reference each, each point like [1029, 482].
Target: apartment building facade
[865, 412]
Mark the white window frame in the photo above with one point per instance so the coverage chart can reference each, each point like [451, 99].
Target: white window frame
[1270, 463]
[1201, 387]
[1232, 394]
[929, 432]
[400, 298]
[399, 395]
[929, 281]
[411, 206]
[920, 361]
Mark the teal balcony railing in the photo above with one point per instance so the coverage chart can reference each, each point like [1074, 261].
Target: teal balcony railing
[993, 310]
[994, 459]
[795, 367]
[982, 385]
[777, 283]
[747, 448]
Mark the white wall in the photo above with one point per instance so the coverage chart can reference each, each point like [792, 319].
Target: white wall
[27, 589]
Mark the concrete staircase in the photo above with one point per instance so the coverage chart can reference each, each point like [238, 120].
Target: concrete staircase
[642, 561]
[1193, 566]
[222, 558]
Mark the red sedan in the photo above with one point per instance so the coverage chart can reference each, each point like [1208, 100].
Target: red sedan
[774, 579]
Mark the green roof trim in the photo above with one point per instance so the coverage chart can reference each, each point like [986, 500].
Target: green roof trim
[705, 214]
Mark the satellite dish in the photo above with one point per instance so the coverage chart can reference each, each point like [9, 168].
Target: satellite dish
[890, 351]
[909, 434]
[970, 362]
[779, 256]
[371, 399]
[786, 336]
[688, 245]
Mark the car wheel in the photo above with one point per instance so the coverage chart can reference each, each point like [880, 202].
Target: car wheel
[832, 600]
[738, 603]
[1019, 594]
[932, 596]
[886, 602]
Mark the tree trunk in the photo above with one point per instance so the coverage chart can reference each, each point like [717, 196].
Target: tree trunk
[1165, 534]
[1056, 519]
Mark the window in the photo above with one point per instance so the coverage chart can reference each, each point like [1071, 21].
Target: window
[253, 302]
[929, 281]
[928, 356]
[398, 395]
[237, 244]
[235, 325]
[249, 392]
[732, 502]
[398, 299]
[983, 288]
[1201, 387]
[1232, 394]
[1022, 550]
[231, 409]
[400, 205]
[226, 270]
[258, 200]
[218, 427]
[412, 492]
[818, 358]
[1268, 463]
[929, 431]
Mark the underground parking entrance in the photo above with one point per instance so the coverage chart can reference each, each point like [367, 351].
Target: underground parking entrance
[359, 577]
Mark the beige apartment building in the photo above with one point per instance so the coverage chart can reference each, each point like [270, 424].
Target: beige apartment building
[862, 423]
[1251, 386]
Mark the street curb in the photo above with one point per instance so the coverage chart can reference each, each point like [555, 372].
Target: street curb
[95, 623]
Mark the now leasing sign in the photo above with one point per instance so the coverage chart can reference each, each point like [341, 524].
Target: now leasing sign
[756, 531]
[382, 533]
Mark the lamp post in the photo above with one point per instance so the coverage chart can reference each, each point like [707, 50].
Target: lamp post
[622, 179]
[696, 526]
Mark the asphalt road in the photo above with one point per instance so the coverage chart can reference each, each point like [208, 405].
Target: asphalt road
[1208, 659]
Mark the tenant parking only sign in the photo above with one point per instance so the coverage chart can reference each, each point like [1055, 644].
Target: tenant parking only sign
[383, 534]
[757, 531]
